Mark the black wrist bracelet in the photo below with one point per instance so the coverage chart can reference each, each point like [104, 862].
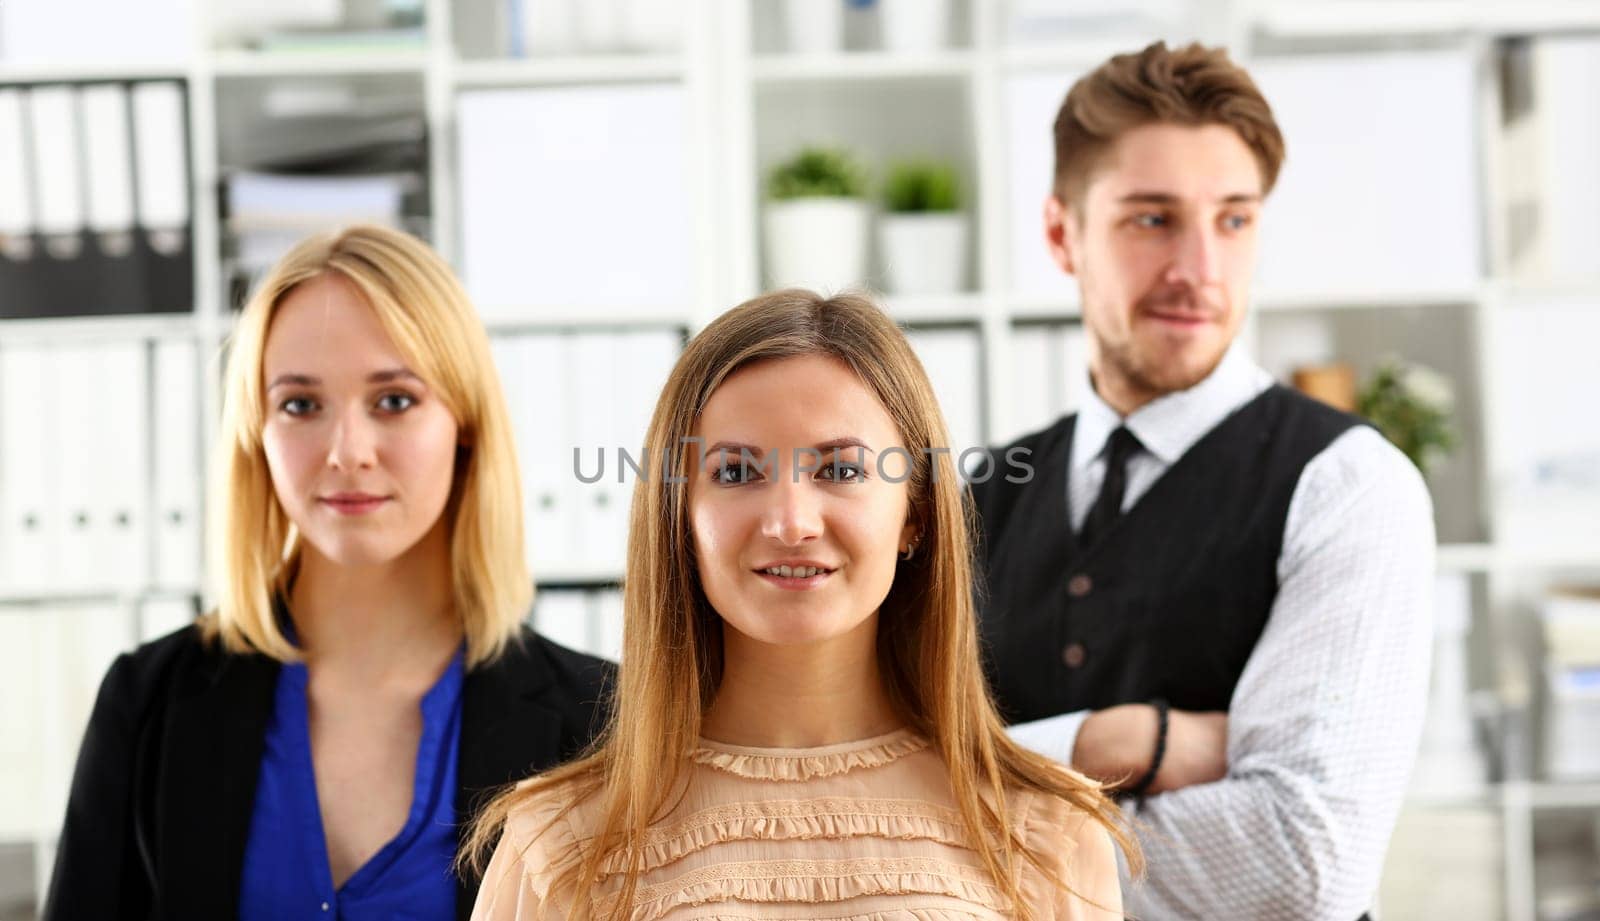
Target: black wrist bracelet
[1137, 790]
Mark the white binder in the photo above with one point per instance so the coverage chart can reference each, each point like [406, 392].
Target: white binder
[177, 456]
[951, 359]
[16, 207]
[21, 670]
[80, 384]
[608, 616]
[119, 467]
[1031, 103]
[563, 616]
[30, 529]
[161, 156]
[110, 158]
[1033, 377]
[161, 616]
[600, 508]
[549, 392]
[54, 137]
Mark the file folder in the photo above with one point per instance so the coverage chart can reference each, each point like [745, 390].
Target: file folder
[599, 509]
[29, 417]
[161, 156]
[16, 205]
[106, 144]
[951, 357]
[178, 465]
[53, 125]
[562, 615]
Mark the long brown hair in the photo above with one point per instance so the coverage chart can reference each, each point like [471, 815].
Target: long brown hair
[672, 649]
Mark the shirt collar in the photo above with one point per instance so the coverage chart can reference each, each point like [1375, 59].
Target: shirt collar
[1168, 426]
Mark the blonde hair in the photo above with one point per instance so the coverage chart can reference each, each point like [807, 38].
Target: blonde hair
[927, 637]
[254, 546]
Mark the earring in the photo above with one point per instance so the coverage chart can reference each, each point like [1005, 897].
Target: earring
[910, 551]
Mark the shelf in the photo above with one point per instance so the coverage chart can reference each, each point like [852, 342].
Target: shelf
[98, 328]
[576, 577]
[861, 65]
[1554, 794]
[933, 308]
[1423, 18]
[1511, 289]
[316, 63]
[529, 320]
[1363, 18]
[1070, 56]
[128, 596]
[1359, 299]
[1035, 307]
[610, 68]
[1465, 558]
[94, 73]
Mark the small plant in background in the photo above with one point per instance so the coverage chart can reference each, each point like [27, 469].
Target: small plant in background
[918, 186]
[1411, 405]
[818, 172]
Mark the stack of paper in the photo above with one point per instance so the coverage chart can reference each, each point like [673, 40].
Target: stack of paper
[268, 213]
[1571, 621]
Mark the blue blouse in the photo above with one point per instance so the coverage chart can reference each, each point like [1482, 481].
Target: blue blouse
[286, 873]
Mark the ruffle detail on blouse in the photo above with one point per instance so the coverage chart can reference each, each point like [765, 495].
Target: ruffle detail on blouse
[811, 882]
[806, 763]
[780, 820]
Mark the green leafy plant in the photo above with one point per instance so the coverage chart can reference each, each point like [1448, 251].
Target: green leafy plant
[818, 172]
[1411, 405]
[917, 186]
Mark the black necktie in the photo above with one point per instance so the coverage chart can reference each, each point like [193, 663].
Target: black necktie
[1108, 505]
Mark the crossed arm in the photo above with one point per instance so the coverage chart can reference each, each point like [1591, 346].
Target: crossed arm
[1283, 806]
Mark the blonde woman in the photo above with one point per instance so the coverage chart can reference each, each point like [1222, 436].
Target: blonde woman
[313, 747]
[802, 728]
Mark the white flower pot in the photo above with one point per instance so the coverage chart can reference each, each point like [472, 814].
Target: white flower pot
[914, 25]
[814, 26]
[818, 243]
[924, 253]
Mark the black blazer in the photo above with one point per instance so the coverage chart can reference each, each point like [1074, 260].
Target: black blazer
[165, 783]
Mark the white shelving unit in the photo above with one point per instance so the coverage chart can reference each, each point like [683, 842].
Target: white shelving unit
[734, 85]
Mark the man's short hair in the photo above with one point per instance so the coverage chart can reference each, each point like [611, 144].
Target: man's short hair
[1192, 85]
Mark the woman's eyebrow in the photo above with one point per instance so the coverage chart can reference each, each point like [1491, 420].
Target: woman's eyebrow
[376, 377]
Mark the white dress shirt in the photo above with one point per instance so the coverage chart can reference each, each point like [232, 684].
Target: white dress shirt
[1325, 722]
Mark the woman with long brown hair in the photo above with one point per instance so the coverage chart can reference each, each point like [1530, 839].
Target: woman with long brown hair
[801, 726]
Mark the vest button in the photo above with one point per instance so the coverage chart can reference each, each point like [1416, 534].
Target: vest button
[1073, 655]
[1079, 585]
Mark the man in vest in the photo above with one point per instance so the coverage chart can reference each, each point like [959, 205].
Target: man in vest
[1210, 592]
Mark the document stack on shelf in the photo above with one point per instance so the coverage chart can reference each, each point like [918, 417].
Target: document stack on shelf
[268, 213]
[94, 199]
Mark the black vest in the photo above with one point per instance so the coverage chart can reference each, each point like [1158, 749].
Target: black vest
[1171, 599]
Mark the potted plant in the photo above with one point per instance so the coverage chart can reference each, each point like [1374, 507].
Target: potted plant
[914, 25]
[1411, 405]
[923, 234]
[816, 221]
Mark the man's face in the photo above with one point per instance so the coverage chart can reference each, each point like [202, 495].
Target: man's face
[1163, 245]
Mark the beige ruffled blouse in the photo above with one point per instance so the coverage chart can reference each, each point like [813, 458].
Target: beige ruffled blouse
[863, 831]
